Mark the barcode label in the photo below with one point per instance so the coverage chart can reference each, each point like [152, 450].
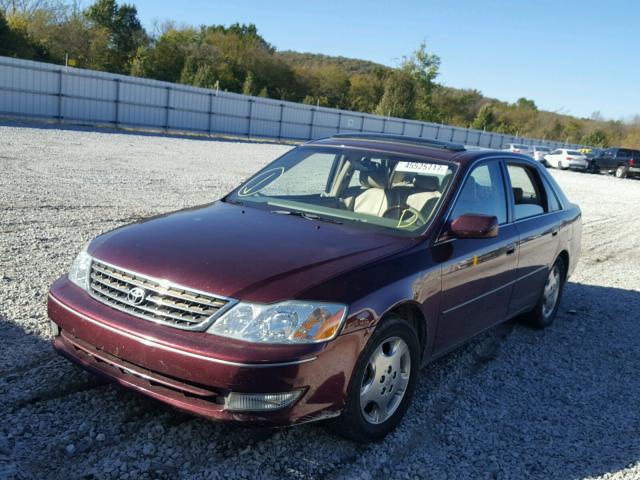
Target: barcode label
[422, 168]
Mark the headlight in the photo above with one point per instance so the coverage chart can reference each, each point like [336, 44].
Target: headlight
[80, 270]
[286, 322]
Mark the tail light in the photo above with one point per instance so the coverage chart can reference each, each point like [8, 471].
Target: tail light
[569, 158]
[632, 163]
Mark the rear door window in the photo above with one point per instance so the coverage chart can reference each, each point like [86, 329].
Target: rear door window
[529, 198]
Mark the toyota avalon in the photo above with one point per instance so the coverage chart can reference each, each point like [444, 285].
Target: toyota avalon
[318, 288]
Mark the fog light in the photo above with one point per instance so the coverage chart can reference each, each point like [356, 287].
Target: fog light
[260, 402]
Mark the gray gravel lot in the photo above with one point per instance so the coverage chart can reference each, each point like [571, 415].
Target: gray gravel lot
[513, 403]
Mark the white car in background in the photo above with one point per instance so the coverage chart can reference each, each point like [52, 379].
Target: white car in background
[563, 159]
[538, 152]
[517, 148]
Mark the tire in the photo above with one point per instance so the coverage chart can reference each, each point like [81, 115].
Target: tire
[593, 167]
[622, 171]
[560, 165]
[370, 383]
[544, 313]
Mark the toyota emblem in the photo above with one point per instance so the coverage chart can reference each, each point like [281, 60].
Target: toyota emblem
[136, 295]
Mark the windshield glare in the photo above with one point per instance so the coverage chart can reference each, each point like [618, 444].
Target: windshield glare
[344, 185]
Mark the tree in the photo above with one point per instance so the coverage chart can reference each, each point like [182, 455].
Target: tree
[124, 30]
[15, 40]
[597, 138]
[573, 130]
[485, 118]
[248, 87]
[399, 99]
[28, 8]
[423, 67]
[526, 104]
[365, 92]
[164, 59]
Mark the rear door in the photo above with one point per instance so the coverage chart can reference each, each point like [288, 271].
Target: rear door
[477, 274]
[537, 218]
[608, 159]
[622, 157]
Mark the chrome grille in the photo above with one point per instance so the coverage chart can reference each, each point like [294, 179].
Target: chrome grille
[157, 301]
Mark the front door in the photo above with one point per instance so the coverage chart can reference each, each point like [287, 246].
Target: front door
[477, 274]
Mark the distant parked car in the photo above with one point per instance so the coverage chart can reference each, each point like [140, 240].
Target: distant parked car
[563, 159]
[517, 148]
[538, 152]
[624, 162]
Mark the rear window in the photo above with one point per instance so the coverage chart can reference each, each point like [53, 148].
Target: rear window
[573, 152]
[543, 149]
[521, 147]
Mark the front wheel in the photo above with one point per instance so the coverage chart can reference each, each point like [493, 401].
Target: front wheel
[592, 168]
[621, 172]
[546, 309]
[382, 383]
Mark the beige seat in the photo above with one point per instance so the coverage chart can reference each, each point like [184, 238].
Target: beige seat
[417, 191]
[425, 193]
[375, 197]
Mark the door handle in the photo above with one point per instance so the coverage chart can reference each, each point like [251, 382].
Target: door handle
[511, 248]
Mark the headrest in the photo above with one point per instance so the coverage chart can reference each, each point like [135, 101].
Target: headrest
[378, 178]
[402, 179]
[426, 183]
[517, 194]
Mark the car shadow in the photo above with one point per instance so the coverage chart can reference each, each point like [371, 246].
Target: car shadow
[511, 403]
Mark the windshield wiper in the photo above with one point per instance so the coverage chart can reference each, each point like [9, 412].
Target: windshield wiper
[308, 216]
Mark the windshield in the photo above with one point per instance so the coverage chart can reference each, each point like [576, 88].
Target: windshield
[350, 186]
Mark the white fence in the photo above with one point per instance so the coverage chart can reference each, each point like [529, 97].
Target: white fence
[41, 90]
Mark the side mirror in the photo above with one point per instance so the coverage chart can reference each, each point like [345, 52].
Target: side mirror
[474, 226]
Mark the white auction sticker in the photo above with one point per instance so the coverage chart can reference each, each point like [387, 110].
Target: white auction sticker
[420, 167]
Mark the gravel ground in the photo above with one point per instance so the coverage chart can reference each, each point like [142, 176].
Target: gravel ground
[512, 403]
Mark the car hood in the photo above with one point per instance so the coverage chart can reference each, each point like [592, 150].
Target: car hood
[241, 252]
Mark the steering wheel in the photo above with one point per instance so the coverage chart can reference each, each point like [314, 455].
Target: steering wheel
[404, 220]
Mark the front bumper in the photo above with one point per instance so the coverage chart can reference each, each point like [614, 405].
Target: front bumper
[196, 371]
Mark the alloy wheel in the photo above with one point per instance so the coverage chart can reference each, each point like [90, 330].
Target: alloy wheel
[551, 292]
[385, 380]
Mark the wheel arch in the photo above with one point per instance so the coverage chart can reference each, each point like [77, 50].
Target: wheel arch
[411, 312]
[564, 255]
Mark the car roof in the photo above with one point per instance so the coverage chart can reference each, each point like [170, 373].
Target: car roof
[413, 146]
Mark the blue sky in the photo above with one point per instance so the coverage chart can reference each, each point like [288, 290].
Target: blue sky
[574, 57]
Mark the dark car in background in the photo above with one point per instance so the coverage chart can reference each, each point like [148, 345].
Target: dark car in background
[623, 162]
[319, 287]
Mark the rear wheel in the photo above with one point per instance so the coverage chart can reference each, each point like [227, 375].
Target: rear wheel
[621, 171]
[382, 383]
[546, 309]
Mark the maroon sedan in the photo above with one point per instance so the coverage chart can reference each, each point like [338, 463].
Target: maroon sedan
[318, 288]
